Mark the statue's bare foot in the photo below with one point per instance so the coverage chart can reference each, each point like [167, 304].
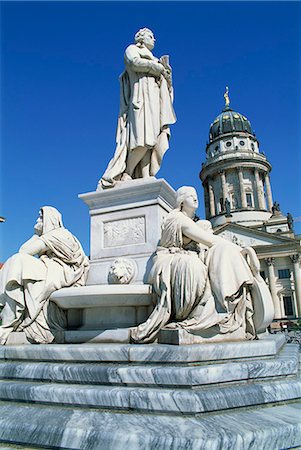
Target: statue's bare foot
[126, 177]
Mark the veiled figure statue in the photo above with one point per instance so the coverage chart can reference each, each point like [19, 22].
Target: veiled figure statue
[146, 111]
[201, 280]
[26, 282]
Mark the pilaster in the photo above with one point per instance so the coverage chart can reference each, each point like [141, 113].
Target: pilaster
[297, 281]
[272, 285]
[268, 192]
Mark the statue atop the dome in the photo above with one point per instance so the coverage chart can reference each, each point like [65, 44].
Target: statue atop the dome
[227, 98]
[146, 111]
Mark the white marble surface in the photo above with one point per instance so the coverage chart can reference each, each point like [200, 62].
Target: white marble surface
[153, 375]
[103, 295]
[51, 259]
[176, 401]
[151, 353]
[146, 111]
[97, 396]
[104, 307]
[183, 337]
[264, 428]
[126, 222]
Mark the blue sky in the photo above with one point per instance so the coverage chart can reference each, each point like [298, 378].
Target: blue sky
[60, 96]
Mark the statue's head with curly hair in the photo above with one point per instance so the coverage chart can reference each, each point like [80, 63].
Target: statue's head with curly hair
[146, 37]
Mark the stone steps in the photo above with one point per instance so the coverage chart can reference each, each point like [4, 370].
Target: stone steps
[193, 375]
[265, 428]
[234, 395]
[175, 401]
[148, 354]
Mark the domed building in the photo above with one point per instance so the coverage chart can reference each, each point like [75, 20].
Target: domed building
[235, 175]
[240, 206]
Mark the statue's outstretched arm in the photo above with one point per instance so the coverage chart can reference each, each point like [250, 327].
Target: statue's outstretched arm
[34, 246]
[194, 232]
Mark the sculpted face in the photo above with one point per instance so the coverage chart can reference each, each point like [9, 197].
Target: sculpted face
[38, 228]
[149, 40]
[190, 201]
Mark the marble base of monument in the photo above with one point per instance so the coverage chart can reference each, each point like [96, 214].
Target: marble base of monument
[180, 336]
[234, 395]
[104, 307]
[126, 223]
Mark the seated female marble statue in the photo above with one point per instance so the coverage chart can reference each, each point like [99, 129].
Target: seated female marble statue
[26, 282]
[201, 280]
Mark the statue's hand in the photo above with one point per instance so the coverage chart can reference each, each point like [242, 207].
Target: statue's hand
[157, 68]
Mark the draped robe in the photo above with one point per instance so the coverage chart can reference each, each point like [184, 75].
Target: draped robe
[26, 282]
[145, 114]
[196, 292]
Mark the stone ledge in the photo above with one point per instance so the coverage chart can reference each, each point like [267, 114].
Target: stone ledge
[150, 353]
[103, 295]
[163, 400]
[138, 191]
[58, 427]
[155, 375]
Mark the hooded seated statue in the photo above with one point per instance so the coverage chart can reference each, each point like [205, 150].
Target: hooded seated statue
[26, 282]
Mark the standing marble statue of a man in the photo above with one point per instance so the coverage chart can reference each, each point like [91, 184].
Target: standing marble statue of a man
[146, 111]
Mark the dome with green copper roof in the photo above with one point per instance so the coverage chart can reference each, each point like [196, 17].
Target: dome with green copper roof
[229, 121]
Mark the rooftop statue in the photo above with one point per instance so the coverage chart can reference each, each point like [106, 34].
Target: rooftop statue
[26, 282]
[146, 111]
[227, 98]
[202, 280]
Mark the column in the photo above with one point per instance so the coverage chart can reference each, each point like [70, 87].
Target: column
[272, 286]
[206, 199]
[224, 186]
[259, 189]
[242, 189]
[211, 200]
[297, 281]
[268, 191]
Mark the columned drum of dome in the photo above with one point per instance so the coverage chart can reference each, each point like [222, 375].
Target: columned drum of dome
[235, 173]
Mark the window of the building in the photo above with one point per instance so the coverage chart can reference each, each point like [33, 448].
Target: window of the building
[288, 305]
[249, 199]
[228, 144]
[262, 274]
[242, 142]
[284, 273]
[252, 146]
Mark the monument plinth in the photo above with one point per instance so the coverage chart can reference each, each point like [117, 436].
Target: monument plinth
[126, 223]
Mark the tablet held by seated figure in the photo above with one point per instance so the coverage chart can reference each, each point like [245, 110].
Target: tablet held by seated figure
[26, 282]
[146, 111]
[202, 280]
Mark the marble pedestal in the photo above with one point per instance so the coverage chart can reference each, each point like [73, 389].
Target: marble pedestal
[226, 396]
[180, 336]
[126, 223]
